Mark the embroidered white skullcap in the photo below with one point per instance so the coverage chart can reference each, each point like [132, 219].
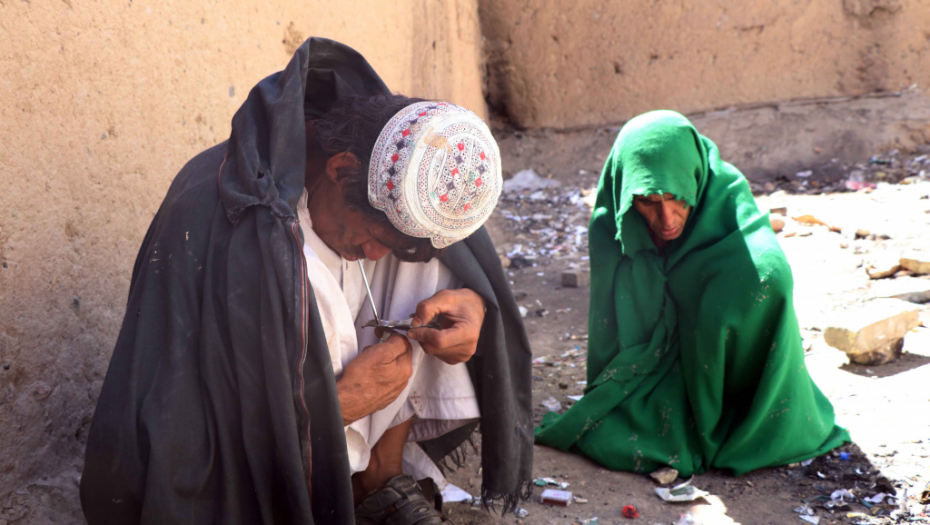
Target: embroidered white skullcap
[435, 172]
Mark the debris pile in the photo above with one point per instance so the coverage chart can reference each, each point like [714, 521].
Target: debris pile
[548, 222]
[846, 485]
[894, 167]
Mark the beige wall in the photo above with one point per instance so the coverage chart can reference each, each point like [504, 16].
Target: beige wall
[101, 103]
[568, 63]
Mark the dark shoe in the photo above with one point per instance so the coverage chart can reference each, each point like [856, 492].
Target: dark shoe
[400, 502]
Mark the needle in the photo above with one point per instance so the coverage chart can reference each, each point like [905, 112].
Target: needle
[367, 287]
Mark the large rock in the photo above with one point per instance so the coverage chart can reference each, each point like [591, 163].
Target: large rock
[873, 334]
[916, 262]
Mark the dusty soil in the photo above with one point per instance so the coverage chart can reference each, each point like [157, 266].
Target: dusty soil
[884, 407]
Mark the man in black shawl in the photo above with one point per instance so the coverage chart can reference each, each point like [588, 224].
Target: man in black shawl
[221, 404]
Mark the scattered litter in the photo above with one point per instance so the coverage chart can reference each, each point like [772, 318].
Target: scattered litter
[523, 311]
[810, 519]
[629, 511]
[804, 174]
[562, 498]
[840, 498]
[878, 499]
[807, 462]
[520, 512]
[804, 509]
[664, 475]
[542, 482]
[552, 223]
[579, 499]
[592, 521]
[528, 180]
[453, 494]
[552, 404]
[857, 182]
[844, 456]
[575, 398]
[570, 358]
[683, 492]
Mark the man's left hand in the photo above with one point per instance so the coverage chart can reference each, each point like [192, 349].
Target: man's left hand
[462, 313]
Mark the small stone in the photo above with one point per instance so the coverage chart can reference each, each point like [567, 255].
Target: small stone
[916, 262]
[777, 224]
[576, 278]
[873, 334]
[505, 261]
[664, 475]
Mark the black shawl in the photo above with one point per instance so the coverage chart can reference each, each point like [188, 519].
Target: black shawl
[220, 405]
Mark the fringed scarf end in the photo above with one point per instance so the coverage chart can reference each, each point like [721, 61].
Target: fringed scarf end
[491, 501]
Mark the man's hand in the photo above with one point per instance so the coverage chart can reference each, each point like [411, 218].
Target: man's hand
[375, 378]
[463, 313]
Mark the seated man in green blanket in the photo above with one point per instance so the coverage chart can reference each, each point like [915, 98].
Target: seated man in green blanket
[695, 357]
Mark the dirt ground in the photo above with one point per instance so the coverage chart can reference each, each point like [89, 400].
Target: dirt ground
[884, 407]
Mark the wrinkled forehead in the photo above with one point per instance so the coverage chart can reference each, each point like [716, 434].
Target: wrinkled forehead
[657, 197]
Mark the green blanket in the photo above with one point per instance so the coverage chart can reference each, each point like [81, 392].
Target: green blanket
[695, 357]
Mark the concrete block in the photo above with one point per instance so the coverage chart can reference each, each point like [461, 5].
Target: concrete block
[882, 268]
[917, 262]
[576, 278]
[873, 334]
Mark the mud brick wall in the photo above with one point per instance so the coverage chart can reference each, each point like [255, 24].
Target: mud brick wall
[576, 63]
[101, 103]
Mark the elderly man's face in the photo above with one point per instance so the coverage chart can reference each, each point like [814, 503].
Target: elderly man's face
[342, 228]
[348, 233]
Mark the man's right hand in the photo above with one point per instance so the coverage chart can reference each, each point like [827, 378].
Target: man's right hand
[375, 378]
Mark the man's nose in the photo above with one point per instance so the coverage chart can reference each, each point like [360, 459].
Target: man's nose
[668, 213]
[374, 250]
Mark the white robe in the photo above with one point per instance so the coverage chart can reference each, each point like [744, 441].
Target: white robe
[439, 397]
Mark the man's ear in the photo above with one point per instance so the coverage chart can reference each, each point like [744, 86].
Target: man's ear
[336, 162]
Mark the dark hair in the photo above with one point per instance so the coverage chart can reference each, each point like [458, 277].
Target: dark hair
[352, 125]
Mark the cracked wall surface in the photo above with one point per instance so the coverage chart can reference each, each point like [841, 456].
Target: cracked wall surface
[100, 105]
[577, 63]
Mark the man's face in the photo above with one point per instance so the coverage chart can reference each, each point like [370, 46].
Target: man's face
[344, 229]
[348, 233]
[664, 214]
